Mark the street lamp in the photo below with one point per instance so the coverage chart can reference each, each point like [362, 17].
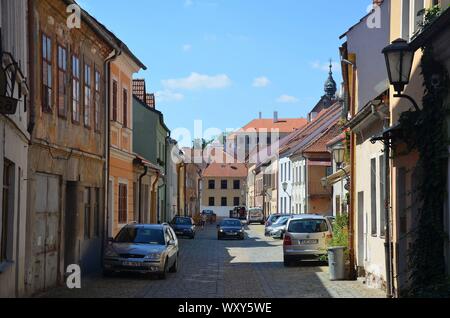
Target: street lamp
[399, 59]
[339, 155]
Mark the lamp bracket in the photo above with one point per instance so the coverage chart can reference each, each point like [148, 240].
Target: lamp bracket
[400, 95]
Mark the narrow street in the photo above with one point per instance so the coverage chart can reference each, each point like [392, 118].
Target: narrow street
[226, 269]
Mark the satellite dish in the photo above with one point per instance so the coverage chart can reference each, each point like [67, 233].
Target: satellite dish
[3, 82]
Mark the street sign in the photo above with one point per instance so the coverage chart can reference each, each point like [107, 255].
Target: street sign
[8, 105]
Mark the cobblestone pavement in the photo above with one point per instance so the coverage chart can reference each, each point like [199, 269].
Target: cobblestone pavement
[226, 269]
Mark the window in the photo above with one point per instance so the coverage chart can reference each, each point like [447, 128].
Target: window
[87, 95]
[236, 201]
[382, 165]
[114, 101]
[125, 108]
[224, 184]
[96, 212]
[289, 168]
[7, 210]
[211, 201]
[223, 201]
[62, 81]
[373, 197]
[87, 212]
[236, 184]
[97, 113]
[123, 199]
[405, 19]
[75, 89]
[46, 73]
[419, 5]
[211, 184]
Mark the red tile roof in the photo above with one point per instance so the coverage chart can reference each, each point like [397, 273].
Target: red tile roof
[150, 100]
[286, 125]
[320, 143]
[139, 89]
[233, 170]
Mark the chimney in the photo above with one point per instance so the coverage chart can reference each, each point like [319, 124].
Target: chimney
[260, 115]
[275, 117]
[377, 3]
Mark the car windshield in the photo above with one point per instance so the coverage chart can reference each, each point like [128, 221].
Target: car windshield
[282, 220]
[308, 226]
[183, 221]
[231, 223]
[139, 235]
[273, 218]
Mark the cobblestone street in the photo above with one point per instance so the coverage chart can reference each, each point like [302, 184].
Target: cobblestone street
[231, 269]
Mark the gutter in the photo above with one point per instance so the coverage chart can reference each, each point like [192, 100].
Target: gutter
[140, 192]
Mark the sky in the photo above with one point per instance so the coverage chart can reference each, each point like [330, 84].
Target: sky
[224, 61]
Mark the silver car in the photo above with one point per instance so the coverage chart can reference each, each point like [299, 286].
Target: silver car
[277, 229]
[146, 249]
[306, 238]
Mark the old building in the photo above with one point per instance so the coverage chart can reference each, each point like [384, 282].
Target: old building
[123, 176]
[259, 134]
[14, 137]
[407, 175]
[68, 152]
[223, 184]
[151, 142]
[367, 86]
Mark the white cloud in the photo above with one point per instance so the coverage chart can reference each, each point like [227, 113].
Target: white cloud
[325, 66]
[168, 96]
[197, 81]
[261, 82]
[287, 99]
[188, 3]
[187, 47]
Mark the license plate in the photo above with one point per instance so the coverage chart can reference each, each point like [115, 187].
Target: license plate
[232, 233]
[308, 242]
[179, 233]
[132, 264]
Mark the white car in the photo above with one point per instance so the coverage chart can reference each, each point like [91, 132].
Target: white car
[255, 215]
[306, 238]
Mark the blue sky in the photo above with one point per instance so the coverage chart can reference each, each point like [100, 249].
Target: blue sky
[224, 61]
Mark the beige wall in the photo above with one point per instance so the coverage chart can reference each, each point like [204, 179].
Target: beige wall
[218, 193]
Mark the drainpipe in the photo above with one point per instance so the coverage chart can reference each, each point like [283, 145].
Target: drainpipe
[140, 192]
[107, 131]
[388, 241]
[31, 43]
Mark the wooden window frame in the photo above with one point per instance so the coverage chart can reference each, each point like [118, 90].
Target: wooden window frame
[122, 211]
[87, 95]
[97, 99]
[45, 61]
[76, 82]
[62, 76]
[125, 108]
[115, 98]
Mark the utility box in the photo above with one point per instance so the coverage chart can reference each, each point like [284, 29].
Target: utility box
[336, 262]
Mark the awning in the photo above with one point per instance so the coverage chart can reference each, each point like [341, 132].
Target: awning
[319, 163]
[338, 176]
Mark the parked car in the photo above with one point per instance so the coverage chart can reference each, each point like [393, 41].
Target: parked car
[277, 229]
[305, 238]
[230, 228]
[211, 217]
[146, 249]
[239, 213]
[183, 226]
[255, 215]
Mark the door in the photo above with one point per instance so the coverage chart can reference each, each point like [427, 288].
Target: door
[46, 233]
[360, 223]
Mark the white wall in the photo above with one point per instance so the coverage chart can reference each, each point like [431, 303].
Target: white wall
[220, 211]
[299, 187]
[285, 174]
[370, 62]
[14, 146]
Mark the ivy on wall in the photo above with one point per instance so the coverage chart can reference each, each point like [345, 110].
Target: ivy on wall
[426, 132]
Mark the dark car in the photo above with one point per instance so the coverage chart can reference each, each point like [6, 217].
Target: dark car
[141, 248]
[183, 226]
[230, 228]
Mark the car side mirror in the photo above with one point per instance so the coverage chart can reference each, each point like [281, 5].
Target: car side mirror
[218, 226]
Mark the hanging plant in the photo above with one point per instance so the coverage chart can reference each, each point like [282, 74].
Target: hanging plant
[425, 131]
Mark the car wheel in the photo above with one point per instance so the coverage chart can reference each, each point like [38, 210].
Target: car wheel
[174, 267]
[163, 275]
[287, 261]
